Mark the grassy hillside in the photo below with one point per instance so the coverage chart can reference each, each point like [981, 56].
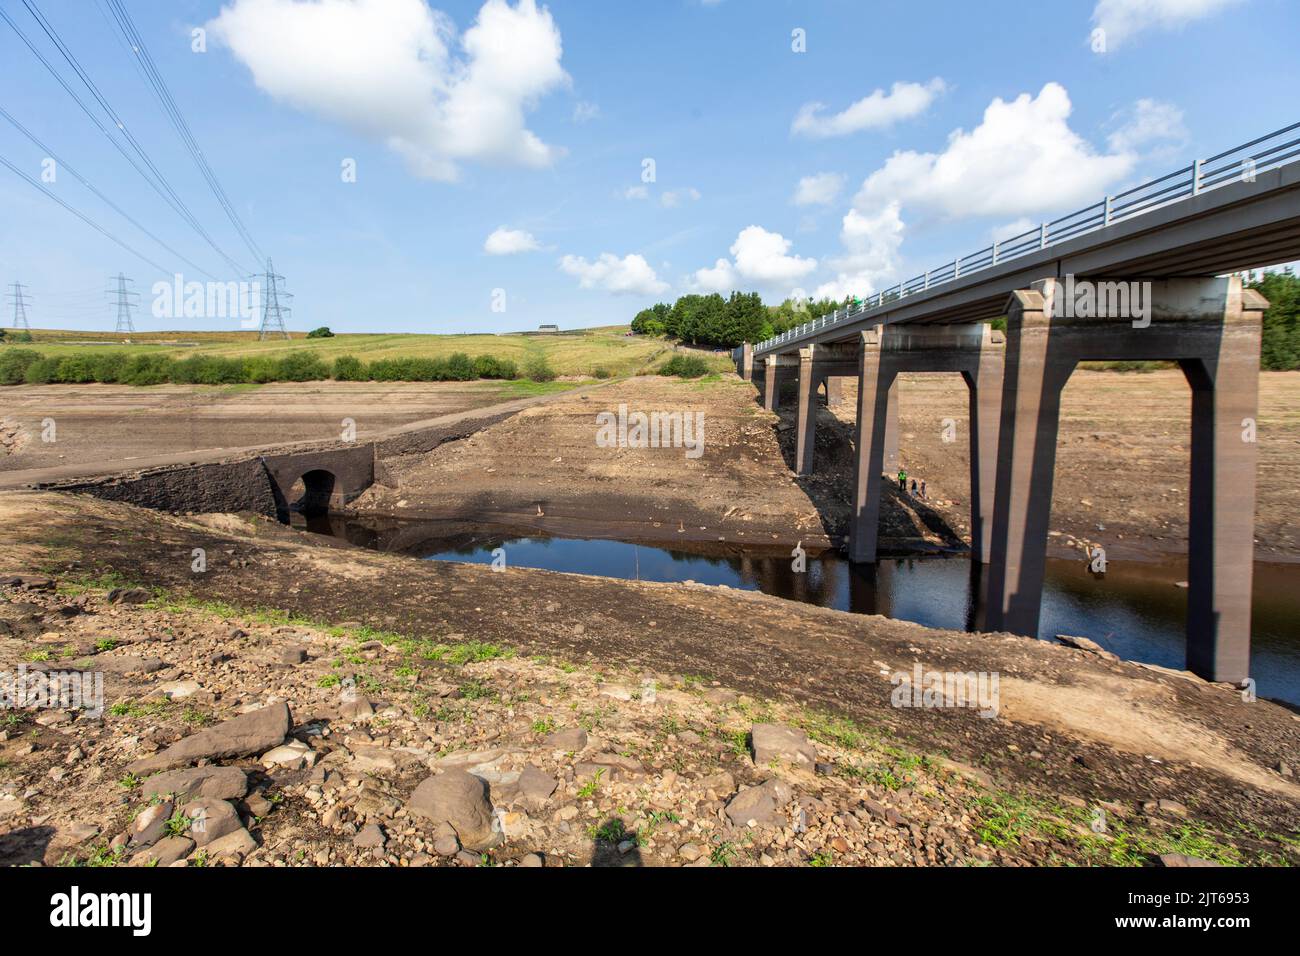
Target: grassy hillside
[582, 353]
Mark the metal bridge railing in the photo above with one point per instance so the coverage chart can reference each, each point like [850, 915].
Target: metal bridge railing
[1241, 163]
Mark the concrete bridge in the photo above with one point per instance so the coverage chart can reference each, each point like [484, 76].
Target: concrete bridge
[1176, 237]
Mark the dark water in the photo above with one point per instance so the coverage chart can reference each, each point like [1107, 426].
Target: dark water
[1135, 609]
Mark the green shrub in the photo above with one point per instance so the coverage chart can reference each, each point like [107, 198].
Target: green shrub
[536, 369]
[302, 367]
[322, 333]
[108, 366]
[489, 366]
[685, 366]
[460, 368]
[261, 369]
[601, 372]
[349, 368]
[42, 372]
[146, 370]
[385, 370]
[14, 364]
[76, 369]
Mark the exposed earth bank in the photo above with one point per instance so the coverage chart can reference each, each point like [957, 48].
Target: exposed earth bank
[302, 702]
[1121, 475]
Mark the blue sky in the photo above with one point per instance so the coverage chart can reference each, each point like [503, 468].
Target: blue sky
[539, 119]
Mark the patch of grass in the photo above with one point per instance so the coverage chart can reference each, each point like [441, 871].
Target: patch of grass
[723, 853]
[137, 708]
[329, 680]
[592, 786]
[36, 656]
[178, 824]
[544, 726]
[477, 690]
[1005, 820]
[102, 855]
[614, 832]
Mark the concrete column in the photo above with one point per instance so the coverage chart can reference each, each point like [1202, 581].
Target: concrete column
[1030, 418]
[806, 422]
[747, 362]
[1221, 525]
[892, 461]
[834, 390]
[874, 383]
[985, 386]
[769, 383]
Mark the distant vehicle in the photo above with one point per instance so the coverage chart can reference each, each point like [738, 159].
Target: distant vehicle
[548, 328]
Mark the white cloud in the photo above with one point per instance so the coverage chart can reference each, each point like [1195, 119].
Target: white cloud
[760, 258]
[821, 189]
[585, 112]
[1022, 159]
[397, 72]
[1124, 19]
[507, 242]
[636, 192]
[674, 197]
[631, 275]
[871, 244]
[720, 278]
[1147, 123]
[880, 109]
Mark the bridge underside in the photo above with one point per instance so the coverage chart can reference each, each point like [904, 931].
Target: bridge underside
[1210, 327]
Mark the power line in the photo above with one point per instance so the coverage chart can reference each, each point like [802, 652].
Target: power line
[173, 112]
[85, 182]
[84, 218]
[154, 177]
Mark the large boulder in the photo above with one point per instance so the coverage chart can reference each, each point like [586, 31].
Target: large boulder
[461, 800]
[224, 783]
[210, 820]
[777, 743]
[760, 806]
[255, 732]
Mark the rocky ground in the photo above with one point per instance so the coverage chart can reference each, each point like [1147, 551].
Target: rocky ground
[299, 702]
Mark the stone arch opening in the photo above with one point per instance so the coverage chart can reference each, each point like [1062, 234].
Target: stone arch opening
[312, 492]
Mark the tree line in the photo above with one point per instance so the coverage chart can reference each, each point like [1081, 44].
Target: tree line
[725, 323]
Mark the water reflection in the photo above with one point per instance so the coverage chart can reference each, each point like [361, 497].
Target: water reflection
[1135, 610]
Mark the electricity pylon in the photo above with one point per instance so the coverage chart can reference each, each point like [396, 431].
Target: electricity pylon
[124, 303]
[275, 304]
[20, 306]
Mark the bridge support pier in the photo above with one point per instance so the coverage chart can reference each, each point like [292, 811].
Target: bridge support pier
[777, 370]
[975, 351]
[747, 362]
[1211, 327]
[817, 364]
